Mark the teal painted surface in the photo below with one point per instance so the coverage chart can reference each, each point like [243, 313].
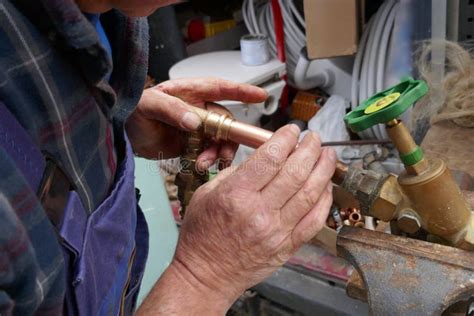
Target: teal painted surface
[163, 231]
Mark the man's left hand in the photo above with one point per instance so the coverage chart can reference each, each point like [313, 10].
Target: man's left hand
[165, 110]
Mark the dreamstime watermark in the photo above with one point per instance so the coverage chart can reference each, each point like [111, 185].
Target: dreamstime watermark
[258, 164]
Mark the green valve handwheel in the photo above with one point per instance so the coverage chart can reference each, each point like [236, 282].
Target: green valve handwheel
[387, 105]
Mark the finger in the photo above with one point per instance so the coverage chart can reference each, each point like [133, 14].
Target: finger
[217, 108]
[227, 154]
[153, 139]
[208, 157]
[266, 162]
[314, 221]
[221, 177]
[303, 201]
[213, 89]
[169, 109]
[294, 173]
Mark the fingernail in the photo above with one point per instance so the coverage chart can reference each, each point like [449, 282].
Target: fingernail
[295, 128]
[191, 121]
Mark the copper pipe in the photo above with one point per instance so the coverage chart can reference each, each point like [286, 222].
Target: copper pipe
[355, 217]
[223, 127]
[248, 135]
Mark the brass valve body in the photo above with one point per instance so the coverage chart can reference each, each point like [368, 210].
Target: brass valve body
[424, 196]
[438, 201]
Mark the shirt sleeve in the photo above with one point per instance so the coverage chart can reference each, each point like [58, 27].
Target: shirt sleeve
[18, 268]
[32, 269]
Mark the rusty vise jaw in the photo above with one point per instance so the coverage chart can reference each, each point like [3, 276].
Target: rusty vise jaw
[403, 276]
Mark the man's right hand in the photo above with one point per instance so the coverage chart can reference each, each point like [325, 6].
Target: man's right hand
[248, 221]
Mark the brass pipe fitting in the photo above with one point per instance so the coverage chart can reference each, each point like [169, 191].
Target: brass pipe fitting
[189, 178]
[223, 127]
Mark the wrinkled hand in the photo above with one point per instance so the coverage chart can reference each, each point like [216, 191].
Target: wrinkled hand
[249, 220]
[164, 110]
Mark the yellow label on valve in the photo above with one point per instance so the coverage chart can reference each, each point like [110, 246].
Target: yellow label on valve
[382, 103]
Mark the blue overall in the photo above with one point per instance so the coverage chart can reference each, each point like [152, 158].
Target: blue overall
[105, 252]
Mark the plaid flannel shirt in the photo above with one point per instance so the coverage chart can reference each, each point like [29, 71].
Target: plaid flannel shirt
[52, 79]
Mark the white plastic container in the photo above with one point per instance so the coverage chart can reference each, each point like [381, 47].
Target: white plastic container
[254, 49]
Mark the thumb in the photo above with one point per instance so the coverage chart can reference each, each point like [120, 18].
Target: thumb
[171, 110]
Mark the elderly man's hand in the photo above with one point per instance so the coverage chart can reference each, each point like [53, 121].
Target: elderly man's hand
[164, 110]
[248, 221]
[244, 224]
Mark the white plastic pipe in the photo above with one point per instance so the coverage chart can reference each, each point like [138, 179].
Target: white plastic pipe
[322, 79]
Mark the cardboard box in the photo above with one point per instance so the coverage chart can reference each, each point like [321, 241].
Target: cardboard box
[332, 27]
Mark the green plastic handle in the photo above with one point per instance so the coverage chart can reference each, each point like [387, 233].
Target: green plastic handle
[386, 105]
